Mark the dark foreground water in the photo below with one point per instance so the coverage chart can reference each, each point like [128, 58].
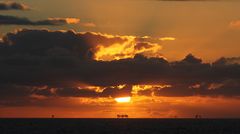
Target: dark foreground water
[119, 126]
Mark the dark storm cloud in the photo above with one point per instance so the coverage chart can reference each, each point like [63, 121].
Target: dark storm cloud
[13, 20]
[61, 60]
[12, 6]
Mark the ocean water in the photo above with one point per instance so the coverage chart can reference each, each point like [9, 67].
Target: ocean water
[119, 126]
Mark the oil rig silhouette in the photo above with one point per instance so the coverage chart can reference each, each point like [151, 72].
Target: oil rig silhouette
[122, 116]
[198, 116]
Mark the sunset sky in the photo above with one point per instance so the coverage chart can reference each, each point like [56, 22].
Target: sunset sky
[78, 58]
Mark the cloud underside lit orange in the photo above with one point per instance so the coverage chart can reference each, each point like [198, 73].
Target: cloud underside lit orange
[132, 45]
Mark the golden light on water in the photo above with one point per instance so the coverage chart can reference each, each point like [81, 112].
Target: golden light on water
[123, 99]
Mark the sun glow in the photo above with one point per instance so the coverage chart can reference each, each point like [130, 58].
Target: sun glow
[123, 99]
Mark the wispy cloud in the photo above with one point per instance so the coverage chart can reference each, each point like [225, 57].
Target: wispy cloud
[13, 20]
[13, 6]
[88, 24]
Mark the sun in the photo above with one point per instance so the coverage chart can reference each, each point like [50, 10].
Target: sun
[123, 99]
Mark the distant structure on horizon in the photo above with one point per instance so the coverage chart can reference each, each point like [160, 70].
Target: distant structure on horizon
[122, 116]
[197, 116]
[53, 116]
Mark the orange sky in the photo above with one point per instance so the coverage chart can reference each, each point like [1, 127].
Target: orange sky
[140, 107]
[205, 28]
[91, 52]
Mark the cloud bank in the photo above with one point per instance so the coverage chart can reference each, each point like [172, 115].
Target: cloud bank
[63, 64]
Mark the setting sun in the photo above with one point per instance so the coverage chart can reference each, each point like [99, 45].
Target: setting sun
[123, 99]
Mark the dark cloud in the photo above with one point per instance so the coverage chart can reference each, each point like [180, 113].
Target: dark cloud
[13, 20]
[227, 61]
[80, 92]
[13, 6]
[228, 88]
[116, 91]
[142, 45]
[75, 92]
[63, 60]
[49, 53]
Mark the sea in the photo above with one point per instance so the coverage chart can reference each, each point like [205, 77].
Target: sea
[119, 126]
